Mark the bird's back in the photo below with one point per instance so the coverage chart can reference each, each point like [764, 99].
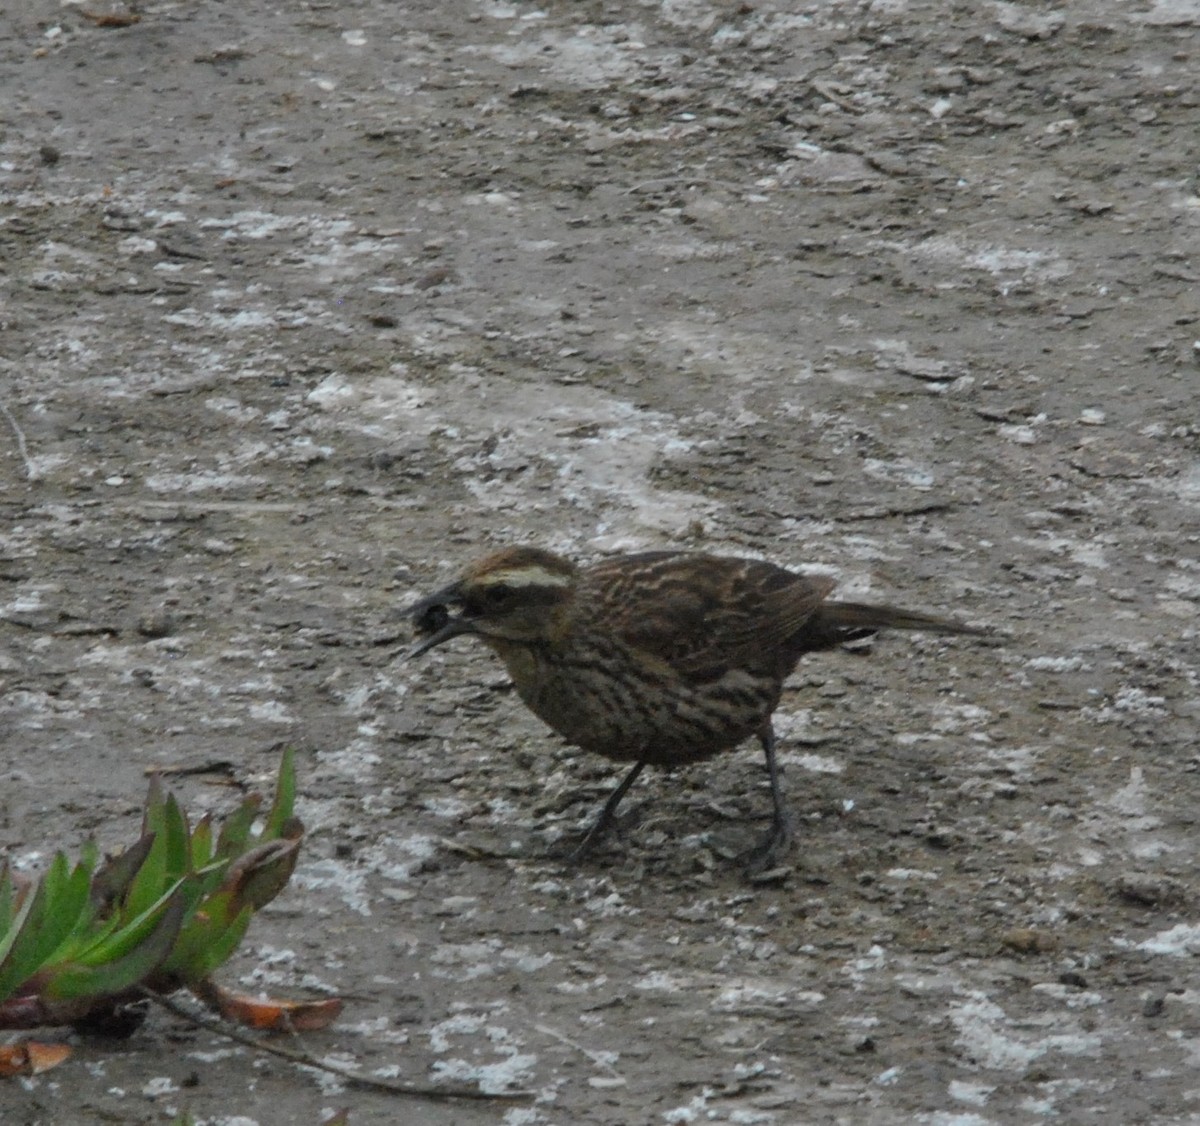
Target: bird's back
[703, 614]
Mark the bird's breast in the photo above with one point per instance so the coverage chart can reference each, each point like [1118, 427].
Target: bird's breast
[626, 705]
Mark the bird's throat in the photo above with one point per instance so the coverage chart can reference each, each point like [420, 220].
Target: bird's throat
[521, 660]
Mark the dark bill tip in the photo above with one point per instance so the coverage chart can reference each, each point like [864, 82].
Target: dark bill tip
[449, 627]
[433, 621]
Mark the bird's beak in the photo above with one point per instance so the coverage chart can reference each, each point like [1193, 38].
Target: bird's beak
[452, 628]
[432, 618]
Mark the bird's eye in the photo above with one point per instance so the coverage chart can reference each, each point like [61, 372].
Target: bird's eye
[498, 595]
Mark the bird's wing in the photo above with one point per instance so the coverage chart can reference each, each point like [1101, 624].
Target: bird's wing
[702, 614]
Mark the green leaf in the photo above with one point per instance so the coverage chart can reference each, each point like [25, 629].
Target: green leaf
[261, 874]
[117, 872]
[9, 902]
[214, 914]
[197, 886]
[134, 932]
[202, 842]
[70, 899]
[151, 878]
[208, 944]
[206, 925]
[208, 867]
[218, 951]
[178, 858]
[17, 942]
[89, 855]
[235, 830]
[152, 811]
[285, 797]
[112, 976]
[50, 915]
[84, 938]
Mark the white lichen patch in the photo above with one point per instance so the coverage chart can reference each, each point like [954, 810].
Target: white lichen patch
[488, 956]
[1181, 940]
[992, 1040]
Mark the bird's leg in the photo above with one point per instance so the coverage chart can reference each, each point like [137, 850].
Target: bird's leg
[608, 814]
[768, 852]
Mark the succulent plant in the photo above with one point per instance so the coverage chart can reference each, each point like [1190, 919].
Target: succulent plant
[83, 942]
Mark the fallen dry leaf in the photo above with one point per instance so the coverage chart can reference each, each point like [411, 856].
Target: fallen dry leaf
[267, 1014]
[111, 19]
[30, 1057]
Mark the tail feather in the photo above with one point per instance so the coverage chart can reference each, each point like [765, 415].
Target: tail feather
[862, 615]
[835, 623]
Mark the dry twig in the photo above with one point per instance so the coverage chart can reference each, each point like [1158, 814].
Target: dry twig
[304, 1058]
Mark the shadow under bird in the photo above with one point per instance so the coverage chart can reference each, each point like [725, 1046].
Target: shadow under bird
[659, 658]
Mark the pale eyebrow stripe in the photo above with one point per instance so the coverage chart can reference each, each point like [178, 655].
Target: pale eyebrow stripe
[525, 576]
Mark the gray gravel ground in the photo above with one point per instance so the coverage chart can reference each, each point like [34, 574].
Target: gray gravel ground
[305, 305]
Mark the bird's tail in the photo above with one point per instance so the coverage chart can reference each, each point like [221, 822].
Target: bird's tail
[835, 623]
[862, 615]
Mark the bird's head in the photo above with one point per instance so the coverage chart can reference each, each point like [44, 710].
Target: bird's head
[519, 595]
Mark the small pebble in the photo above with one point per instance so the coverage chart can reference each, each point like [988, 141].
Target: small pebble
[1026, 940]
[156, 623]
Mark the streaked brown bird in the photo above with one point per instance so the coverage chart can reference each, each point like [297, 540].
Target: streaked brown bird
[660, 658]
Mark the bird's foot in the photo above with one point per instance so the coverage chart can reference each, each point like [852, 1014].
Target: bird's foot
[608, 815]
[766, 857]
[600, 828]
[571, 850]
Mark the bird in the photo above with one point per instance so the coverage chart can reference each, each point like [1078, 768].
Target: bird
[655, 658]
